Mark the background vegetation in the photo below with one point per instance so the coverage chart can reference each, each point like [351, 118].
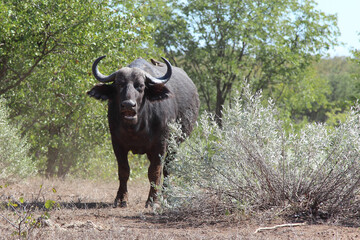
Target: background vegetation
[14, 150]
[228, 47]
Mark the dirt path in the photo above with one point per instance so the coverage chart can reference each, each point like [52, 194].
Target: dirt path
[86, 213]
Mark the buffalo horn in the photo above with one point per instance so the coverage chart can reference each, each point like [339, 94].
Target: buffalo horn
[165, 78]
[98, 75]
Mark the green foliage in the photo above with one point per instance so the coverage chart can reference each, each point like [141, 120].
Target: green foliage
[139, 166]
[222, 44]
[170, 27]
[251, 163]
[304, 100]
[37, 32]
[340, 72]
[341, 75]
[47, 48]
[14, 160]
[356, 74]
[49, 204]
[101, 164]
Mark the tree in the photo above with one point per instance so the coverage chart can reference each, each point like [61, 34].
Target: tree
[355, 73]
[305, 99]
[340, 73]
[231, 42]
[46, 51]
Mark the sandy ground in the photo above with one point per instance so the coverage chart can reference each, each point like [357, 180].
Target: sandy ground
[85, 212]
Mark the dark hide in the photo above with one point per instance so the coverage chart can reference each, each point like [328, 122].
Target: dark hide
[138, 114]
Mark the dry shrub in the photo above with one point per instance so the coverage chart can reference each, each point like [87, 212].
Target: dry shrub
[252, 163]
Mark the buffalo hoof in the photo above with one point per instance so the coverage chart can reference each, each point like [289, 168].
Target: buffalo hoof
[123, 204]
[151, 203]
[148, 203]
[154, 205]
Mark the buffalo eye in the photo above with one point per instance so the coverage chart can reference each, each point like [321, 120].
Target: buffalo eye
[121, 84]
[139, 87]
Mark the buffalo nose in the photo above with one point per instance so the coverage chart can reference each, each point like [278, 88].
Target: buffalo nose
[128, 104]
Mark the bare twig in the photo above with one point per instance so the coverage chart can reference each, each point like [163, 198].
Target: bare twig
[279, 226]
[6, 219]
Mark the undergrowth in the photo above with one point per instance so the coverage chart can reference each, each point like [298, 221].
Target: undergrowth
[14, 159]
[24, 217]
[251, 163]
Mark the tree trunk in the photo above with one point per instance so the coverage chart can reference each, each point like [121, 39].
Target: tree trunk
[219, 107]
[64, 168]
[52, 156]
[52, 153]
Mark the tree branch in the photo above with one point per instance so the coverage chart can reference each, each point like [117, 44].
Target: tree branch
[22, 77]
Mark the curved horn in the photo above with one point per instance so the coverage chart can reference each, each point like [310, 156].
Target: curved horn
[98, 75]
[165, 78]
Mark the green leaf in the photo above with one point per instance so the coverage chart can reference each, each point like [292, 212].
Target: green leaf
[227, 212]
[13, 204]
[49, 204]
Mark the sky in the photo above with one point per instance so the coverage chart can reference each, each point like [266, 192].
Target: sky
[348, 13]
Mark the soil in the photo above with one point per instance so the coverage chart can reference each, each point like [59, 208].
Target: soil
[83, 210]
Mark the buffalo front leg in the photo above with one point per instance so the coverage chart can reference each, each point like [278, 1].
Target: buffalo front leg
[124, 173]
[154, 175]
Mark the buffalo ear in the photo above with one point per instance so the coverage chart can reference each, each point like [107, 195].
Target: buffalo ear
[102, 92]
[157, 92]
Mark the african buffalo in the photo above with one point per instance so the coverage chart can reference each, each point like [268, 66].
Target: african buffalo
[140, 106]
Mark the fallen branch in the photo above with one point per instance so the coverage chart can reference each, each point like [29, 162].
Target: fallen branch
[279, 226]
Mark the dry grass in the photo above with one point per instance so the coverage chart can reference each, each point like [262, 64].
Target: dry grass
[86, 212]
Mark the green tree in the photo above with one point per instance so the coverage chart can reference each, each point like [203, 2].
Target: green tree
[230, 42]
[170, 26]
[341, 74]
[46, 51]
[356, 74]
[305, 99]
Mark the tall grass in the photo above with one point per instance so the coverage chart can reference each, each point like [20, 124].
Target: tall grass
[251, 163]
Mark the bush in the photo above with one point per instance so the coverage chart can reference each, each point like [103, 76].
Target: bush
[251, 163]
[101, 164]
[14, 159]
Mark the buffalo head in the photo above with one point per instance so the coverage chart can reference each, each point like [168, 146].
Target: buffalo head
[130, 87]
